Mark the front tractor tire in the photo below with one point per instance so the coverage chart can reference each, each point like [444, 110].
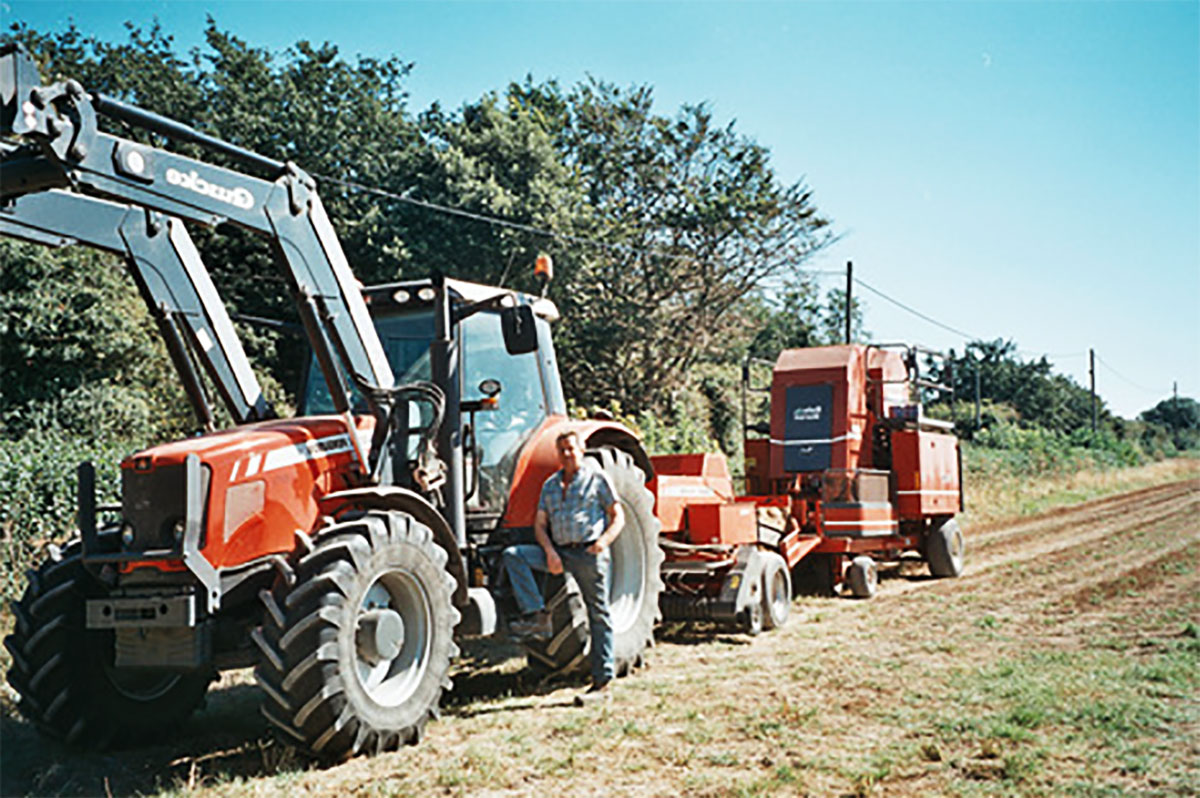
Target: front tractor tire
[633, 593]
[64, 673]
[355, 654]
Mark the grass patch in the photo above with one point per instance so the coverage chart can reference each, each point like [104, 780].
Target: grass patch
[998, 488]
[1094, 716]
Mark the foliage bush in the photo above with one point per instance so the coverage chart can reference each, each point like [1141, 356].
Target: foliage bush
[1035, 450]
[38, 493]
[78, 349]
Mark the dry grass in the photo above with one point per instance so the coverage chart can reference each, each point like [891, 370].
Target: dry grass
[999, 495]
[1062, 663]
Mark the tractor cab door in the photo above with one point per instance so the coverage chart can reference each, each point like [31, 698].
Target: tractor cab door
[527, 397]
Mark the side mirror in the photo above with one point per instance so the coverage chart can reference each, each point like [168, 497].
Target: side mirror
[520, 332]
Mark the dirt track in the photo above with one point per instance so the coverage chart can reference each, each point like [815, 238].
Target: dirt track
[893, 696]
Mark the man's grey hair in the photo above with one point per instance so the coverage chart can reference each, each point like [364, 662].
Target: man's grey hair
[571, 433]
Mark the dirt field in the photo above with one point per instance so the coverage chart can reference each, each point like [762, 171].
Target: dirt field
[1065, 661]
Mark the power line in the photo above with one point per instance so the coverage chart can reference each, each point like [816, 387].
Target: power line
[915, 312]
[1048, 355]
[497, 221]
[956, 331]
[1127, 380]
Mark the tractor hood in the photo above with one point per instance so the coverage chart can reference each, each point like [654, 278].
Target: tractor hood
[273, 444]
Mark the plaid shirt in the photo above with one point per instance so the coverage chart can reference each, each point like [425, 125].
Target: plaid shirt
[578, 513]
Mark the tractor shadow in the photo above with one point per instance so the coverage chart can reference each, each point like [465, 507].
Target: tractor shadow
[696, 633]
[489, 671]
[229, 739]
[226, 739]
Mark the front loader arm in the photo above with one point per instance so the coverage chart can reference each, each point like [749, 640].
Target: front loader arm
[70, 150]
[171, 278]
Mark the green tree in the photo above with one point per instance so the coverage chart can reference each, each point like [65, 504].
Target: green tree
[1039, 396]
[495, 158]
[1179, 420]
[697, 222]
[78, 350]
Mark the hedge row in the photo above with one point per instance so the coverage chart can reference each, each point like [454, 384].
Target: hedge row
[38, 495]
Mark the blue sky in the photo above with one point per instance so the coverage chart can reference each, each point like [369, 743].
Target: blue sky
[1020, 170]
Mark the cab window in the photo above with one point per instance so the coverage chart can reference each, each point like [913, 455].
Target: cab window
[500, 433]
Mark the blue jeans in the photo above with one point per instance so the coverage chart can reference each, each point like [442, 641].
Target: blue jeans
[591, 573]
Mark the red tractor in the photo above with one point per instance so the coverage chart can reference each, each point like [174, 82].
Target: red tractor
[340, 552]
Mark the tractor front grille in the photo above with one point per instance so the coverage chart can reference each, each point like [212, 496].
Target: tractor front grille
[154, 503]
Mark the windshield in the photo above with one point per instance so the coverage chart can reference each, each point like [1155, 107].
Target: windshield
[500, 433]
[406, 342]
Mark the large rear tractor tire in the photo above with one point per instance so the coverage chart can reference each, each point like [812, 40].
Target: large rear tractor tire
[64, 674]
[355, 654]
[633, 595]
[944, 549]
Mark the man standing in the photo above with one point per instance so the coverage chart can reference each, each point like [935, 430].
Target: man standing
[580, 507]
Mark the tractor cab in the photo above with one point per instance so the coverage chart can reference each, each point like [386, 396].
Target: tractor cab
[501, 392]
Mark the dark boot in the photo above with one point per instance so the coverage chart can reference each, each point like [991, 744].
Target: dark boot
[532, 626]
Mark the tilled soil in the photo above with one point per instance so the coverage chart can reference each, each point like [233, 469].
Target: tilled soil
[850, 698]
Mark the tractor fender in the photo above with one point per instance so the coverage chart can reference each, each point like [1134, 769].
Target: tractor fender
[385, 497]
[539, 459]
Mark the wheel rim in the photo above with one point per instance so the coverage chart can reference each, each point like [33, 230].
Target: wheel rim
[390, 681]
[777, 593]
[628, 571]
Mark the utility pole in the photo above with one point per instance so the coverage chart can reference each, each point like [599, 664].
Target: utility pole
[849, 295]
[1175, 405]
[1092, 374]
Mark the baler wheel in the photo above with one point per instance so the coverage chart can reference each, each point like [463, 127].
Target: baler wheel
[863, 577]
[944, 549]
[634, 591]
[354, 655]
[776, 592]
[63, 671]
